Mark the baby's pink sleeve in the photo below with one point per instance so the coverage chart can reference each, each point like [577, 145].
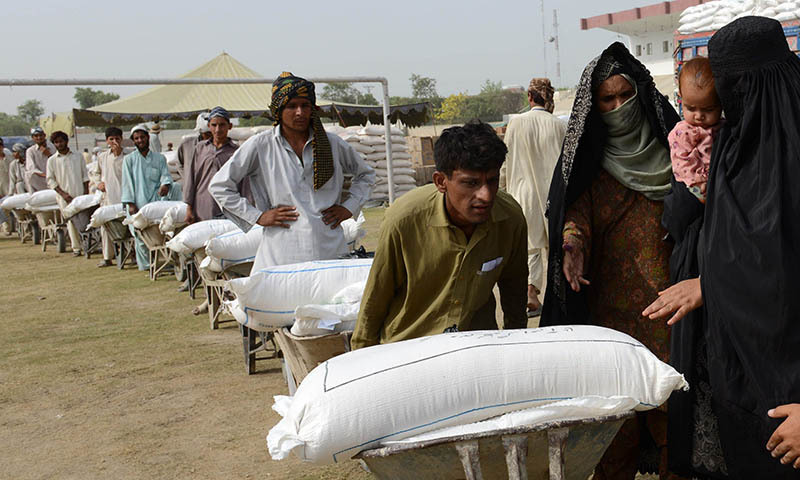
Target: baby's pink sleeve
[687, 162]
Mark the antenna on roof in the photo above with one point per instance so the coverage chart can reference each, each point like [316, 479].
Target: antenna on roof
[544, 42]
[554, 39]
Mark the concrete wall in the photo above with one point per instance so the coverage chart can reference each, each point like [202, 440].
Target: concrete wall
[654, 49]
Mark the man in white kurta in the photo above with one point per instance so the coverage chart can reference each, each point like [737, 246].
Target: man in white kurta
[534, 143]
[16, 171]
[36, 160]
[109, 163]
[300, 213]
[66, 174]
[6, 158]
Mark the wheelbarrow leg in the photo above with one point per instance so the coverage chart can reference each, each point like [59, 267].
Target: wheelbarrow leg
[470, 459]
[556, 441]
[516, 448]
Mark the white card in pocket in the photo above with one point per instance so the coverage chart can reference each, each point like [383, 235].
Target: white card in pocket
[491, 265]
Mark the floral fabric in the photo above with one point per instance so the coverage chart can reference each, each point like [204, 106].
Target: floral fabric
[627, 260]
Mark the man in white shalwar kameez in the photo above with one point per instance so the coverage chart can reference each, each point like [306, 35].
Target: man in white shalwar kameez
[36, 160]
[296, 173]
[534, 143]
[109, 163]
[66, 174]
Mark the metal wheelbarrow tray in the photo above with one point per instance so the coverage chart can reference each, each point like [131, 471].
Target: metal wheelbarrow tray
[557, 450]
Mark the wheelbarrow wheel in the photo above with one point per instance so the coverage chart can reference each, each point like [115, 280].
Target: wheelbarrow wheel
[62, 240]
[37, 234]
[180, 269]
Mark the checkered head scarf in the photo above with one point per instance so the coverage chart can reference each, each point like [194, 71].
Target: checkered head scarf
[287, 87]
[542, 92]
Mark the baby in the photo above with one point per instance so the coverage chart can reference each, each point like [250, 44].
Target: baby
[691, 139]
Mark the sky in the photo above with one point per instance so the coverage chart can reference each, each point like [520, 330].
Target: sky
[461, 44]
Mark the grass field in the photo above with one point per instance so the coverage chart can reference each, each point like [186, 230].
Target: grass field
[106, 374]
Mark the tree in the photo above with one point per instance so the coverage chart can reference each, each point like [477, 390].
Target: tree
[423, 88]
[345, 92]
[88, 98]
[13, 125]
[30, 111]
[453, 108]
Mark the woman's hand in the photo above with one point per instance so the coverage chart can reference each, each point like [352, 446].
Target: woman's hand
[785, 440]
[680, 299]
[573, 267]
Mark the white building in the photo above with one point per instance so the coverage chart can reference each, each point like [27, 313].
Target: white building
[650, 31]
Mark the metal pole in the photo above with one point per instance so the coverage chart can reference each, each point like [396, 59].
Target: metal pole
[66, 82]
[388, 134]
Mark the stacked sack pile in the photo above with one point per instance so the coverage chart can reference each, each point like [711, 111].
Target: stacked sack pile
[370, 142]
[715, 15]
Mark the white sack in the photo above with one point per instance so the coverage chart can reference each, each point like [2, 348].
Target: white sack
[197, 234]
[174, 218]
[396, 147]
[353, 231]
[42, 198]
[172, 158]
[268, 298]
[395, 163]
[382, 172]
[234, 247]
[357, 400]
[376, 156]
[361, 148]
[379, 130]
[81, 203]
[401, 156]
[371, 140]
[150, 214]
[313, 320]
[15, 202]
[106, 214]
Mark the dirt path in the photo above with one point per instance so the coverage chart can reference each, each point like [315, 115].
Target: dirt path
[105, 374]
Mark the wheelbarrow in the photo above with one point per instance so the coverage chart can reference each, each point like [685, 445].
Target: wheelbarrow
[303, 354]
[214, 286]
[124, 246]
[91, 241]
[27, 227]
[52, 226]
[557, 450]
[160, 254]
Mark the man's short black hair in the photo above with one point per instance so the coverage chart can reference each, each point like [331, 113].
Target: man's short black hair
[58, 134]
[113, 131]
[475, 146]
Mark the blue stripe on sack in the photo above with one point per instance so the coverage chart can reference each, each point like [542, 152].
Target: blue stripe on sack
[334, 267]
[553, 399]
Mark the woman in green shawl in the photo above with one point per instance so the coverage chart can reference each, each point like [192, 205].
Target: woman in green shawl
[606, 201]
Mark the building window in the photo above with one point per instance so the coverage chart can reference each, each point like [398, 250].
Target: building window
[638, 50]
[666, 46]
[649, 48]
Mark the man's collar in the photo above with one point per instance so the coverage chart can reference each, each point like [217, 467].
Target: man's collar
[277, 132]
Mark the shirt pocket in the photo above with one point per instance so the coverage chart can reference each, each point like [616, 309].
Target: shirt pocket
[153, 174]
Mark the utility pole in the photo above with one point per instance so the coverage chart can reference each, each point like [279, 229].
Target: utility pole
[544, 41]
[558, 55]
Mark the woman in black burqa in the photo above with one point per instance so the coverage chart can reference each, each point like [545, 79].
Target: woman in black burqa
[749, 252]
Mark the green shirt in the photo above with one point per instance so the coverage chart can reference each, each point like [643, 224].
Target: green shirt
[426, 276]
